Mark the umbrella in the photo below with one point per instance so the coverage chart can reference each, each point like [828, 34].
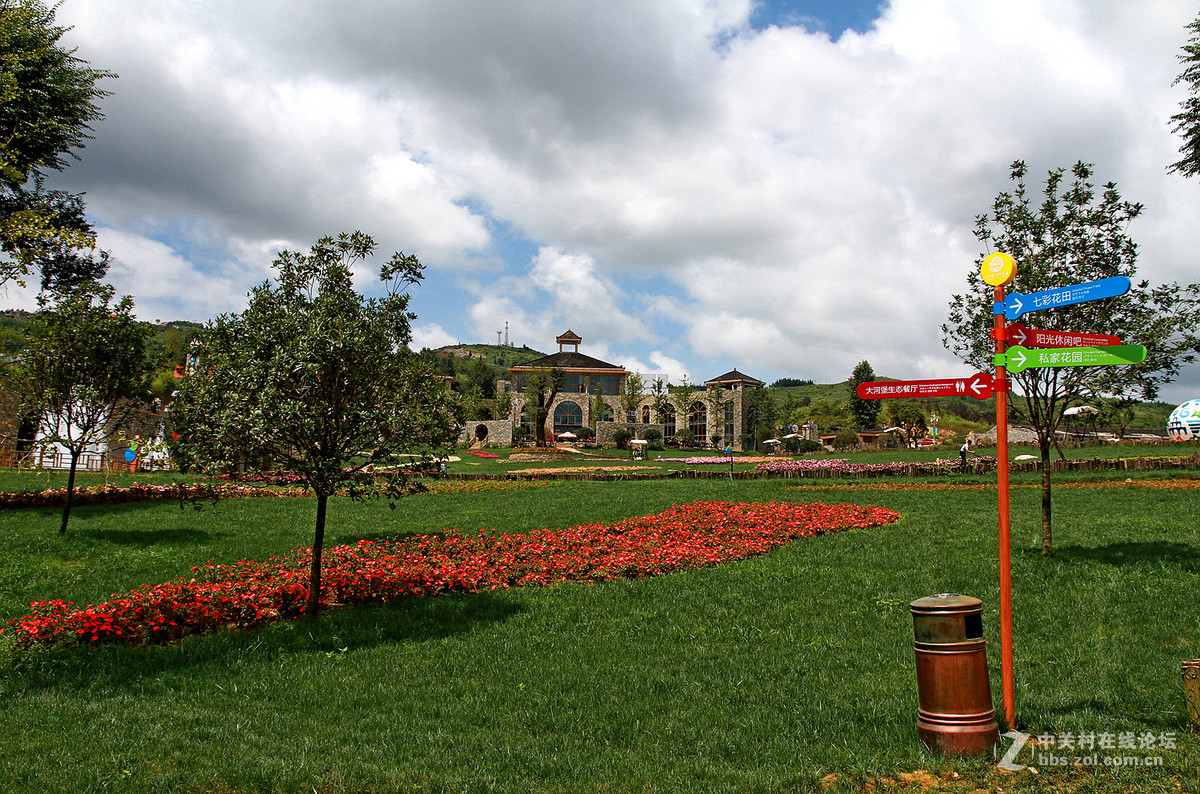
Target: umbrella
[890, 429]
[792, 435]
[639, 441]
[567, 435]
[771, 441]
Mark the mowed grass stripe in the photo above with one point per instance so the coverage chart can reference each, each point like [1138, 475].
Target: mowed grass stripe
[765, 674]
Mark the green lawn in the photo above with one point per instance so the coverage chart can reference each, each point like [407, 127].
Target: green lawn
[769, 674]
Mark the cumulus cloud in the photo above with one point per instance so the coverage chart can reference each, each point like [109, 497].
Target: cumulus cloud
[682, 185]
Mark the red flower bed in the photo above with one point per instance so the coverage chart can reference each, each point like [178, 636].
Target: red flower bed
[245, 593]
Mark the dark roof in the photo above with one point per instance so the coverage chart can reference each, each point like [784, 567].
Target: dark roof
[733, 375]
[568, 359]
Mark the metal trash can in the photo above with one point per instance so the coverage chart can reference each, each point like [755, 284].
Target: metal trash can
[955, 716]
[1191, 691]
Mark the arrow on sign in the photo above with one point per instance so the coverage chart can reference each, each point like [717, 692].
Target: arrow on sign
[1017, 304]
[980, 386]
[1036, 337]
[1020, 358]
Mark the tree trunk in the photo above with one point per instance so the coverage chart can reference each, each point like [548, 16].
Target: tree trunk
[312, 608]
[66, 515]
[1047, 549]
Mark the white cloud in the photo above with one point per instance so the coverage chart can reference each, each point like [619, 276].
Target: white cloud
[785, 203]
[430, 335]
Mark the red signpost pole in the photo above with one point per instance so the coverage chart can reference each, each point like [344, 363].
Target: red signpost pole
[1006, 626]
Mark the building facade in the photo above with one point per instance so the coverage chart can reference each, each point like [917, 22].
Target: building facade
[591, 397]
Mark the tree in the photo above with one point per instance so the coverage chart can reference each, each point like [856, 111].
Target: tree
[762, 414]
[684, 395]
[599, 407]
[47, 105]
[83, 370]
[716, 400]
[541, 387]
[1074, 235]
[1187, 122]
[866, 412]
[319, 380]
[909, 418]
[632, 392]
[660, 399]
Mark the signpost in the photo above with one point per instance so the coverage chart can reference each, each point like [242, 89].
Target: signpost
[1019, 359]
[1033, 348]
[1017, 304]
[1037, 337]
[980, 386]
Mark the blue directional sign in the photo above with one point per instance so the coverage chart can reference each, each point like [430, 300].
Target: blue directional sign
[1017, 304]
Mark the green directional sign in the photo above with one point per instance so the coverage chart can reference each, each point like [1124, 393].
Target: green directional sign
[1020, 358]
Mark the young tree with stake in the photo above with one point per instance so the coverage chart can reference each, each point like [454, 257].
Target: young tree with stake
[320, 380]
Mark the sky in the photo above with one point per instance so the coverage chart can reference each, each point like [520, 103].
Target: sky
[692, 186]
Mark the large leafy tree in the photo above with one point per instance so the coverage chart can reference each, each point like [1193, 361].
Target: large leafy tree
[1187, 121]
[318, 380]
[47, 105]
[866, 412]
[541, 387]
[1076, 233]
[82, 370]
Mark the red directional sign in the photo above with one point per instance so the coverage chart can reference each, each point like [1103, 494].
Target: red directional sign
[1018, 334]
[980, 386]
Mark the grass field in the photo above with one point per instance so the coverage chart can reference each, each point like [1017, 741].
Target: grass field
[792, 671]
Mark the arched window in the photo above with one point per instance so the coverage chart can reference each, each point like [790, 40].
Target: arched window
[730, 430]
[668, 420]
[567, 416]
[645, 414]
[698, 421]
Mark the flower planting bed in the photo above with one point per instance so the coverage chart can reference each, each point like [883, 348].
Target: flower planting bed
[715, 459]
[115, 495]
[246, 593]
[842, 467]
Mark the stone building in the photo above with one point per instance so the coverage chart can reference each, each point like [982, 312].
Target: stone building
[585, 377]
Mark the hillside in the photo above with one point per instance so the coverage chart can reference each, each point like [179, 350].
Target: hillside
[1147, 416]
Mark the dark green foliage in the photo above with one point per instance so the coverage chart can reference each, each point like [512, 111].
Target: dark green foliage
[909, 417]
[47, 105]
[319, 380]
[866, 412]
[791, 382]
[1186, 122]
[847, 439]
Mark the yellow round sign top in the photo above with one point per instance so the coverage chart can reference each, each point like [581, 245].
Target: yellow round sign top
[999, 269]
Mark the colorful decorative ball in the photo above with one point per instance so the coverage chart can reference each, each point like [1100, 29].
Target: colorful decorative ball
[1184, 422]
[130, 455]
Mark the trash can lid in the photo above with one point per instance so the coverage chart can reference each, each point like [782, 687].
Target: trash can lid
[945, 602]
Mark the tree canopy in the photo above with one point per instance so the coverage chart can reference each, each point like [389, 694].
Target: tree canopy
[318, 380]
[866, 412]
[1186, 122]
[1073, 235]
[48, 102]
